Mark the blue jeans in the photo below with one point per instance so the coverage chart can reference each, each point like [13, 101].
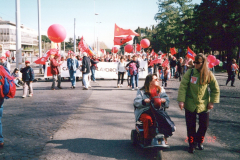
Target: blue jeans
[136, 80]
[16, 82]
[172, 71]
[1, 113]
[72, 74]
[93, 74]
[150, 70]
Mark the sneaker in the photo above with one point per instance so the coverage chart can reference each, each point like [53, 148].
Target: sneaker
[23, 96]
[132, 89]
[121, 85]
[85, 88]
[118, 86]
[136, 87]
[30, 95]
[53, 88]
[60, 87]
[89, 86]
[232, 86]
[74, 87]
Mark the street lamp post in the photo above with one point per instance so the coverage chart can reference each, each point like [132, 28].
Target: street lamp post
[97, 36]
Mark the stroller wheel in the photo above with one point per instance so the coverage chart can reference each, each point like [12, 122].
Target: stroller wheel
[134, 137]
[159, 155]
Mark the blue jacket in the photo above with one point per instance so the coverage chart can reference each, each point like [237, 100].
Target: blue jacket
[70, 64]
[27, 74]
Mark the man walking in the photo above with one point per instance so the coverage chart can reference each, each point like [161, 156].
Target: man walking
[55, 71]
[72, 64]
[85, 70]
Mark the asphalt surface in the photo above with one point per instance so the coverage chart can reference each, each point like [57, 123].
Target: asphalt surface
[96, 124]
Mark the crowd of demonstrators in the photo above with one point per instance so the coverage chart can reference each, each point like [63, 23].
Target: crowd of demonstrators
[27, 78]
[232, 71]
[133, 67]
[194, 97]
[121, 70]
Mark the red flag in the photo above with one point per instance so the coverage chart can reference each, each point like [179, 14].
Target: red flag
[83, 46]
[41, 60]
[120, 31]
[138, 48]
[191, 54]
[173, 51]
[164, 55]
[155, 61]
[122, 40]
[102, 50]
[153, 53]
[165, 63]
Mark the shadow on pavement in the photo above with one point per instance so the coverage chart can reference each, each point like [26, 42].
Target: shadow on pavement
[118, 149]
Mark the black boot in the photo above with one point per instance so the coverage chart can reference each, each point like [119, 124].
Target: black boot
[200, 146]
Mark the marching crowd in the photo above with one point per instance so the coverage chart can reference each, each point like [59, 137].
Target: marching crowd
[188, 71]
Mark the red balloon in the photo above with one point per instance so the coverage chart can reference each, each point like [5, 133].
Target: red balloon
[114, 49]
[145, 43]
[217, 61]
[56, 33]
[128, 48]
[211, 59]
[210, 65]
[7, 54]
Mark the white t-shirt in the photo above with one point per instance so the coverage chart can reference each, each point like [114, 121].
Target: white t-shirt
[121, 67]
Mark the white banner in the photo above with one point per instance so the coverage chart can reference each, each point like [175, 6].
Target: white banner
[106, 70]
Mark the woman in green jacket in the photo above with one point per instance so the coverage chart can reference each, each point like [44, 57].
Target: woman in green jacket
[193, 95]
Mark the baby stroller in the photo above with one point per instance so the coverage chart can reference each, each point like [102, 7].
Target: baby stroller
[162, 128]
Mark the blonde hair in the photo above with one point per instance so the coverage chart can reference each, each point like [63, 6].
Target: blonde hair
[205, 74]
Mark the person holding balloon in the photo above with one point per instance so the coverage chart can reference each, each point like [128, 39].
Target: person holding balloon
[232, 73]
[194, 97]
[72, 64]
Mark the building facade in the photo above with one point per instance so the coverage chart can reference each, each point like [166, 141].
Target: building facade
[29, 37]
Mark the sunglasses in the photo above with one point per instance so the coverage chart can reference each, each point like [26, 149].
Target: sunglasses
[197, 62]
[156, 79]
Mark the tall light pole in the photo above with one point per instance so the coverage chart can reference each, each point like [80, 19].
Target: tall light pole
[74, 41]
[39, 34]
[95, 14]
[18, 37]
[97, 36]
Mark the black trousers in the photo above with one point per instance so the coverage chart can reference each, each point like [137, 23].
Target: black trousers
[198, 136]
[231, 77]
[120, 77]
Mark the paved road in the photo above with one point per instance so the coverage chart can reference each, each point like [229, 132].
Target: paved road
[96, 124]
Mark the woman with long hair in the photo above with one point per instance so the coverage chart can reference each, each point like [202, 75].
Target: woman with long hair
[194, 97]
[141, 103]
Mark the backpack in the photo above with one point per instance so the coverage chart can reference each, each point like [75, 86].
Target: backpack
[133, 69]
[7, 85]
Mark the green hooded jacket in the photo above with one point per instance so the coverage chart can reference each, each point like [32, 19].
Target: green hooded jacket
[196, 96]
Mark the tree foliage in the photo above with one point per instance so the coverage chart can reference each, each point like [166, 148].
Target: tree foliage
[213, 25]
